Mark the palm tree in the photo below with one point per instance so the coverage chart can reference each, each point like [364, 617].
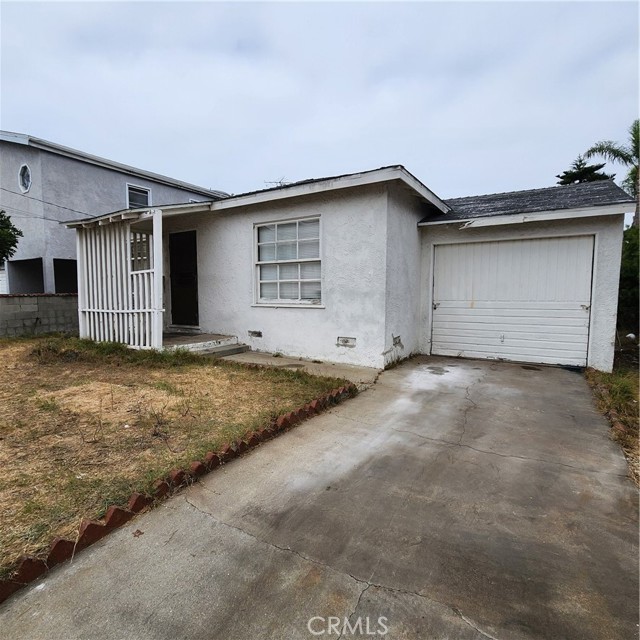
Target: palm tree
[625, 154]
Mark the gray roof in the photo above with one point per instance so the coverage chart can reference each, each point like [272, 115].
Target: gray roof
[574, 196]
[53, 147]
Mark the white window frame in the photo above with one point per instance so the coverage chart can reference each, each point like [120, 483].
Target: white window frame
[287, 302]
[138, 186]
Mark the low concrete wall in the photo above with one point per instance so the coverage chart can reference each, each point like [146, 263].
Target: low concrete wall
[36, 313]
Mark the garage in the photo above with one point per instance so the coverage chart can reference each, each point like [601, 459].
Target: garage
[521, 300]
[525, 276]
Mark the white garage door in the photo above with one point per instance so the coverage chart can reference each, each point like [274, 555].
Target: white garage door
[522, 300]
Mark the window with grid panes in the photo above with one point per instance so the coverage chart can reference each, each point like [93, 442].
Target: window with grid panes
[288, 268]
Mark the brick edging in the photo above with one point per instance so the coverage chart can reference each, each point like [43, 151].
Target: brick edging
[30, 568]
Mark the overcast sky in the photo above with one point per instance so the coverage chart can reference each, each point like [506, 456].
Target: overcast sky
[470, 97]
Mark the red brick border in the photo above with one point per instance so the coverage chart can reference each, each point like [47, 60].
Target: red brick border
[29, 568]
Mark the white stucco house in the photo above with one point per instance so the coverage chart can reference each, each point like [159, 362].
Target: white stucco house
[367, 269]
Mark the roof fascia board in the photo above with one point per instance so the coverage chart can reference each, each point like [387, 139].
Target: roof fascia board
[139, 214]
[74, 154]
[333, 184]
[538, 216]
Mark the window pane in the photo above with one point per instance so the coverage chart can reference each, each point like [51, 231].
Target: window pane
[268, 272]
[267, 252]
[269, 291]
[309, 229]
[288, 272]
[286, 251]
[267, 233]
[309, 249]
[289, 291]
[287, 231]
[310, 271]
[138, 198]
[310, 291]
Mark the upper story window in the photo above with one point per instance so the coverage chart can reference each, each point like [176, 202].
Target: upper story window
[24, 178]
[138, 197]
[288, 264]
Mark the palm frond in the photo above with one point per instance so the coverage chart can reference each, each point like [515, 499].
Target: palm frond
[634, 136]
[630, 183]
[611, 151]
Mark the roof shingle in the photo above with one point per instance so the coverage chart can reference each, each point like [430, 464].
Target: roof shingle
[574, 196]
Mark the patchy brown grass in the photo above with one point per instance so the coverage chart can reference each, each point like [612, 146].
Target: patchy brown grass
[82, 425]
[617, 397]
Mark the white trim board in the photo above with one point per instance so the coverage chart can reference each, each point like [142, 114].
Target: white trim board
[538, 216]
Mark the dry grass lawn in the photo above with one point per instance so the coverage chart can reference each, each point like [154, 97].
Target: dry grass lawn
[617, 397]
[83, 425]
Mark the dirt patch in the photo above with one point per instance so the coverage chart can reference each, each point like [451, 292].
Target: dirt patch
[82, 427]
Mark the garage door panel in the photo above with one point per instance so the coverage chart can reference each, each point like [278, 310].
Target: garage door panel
[539, 358]
[514, 345]
[516, 312]
[496, 304]
[533, 334]
[520, 300]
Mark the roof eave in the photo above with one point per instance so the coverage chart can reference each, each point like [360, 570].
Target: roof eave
[75, 154]
[387, 174]
[142, 212]
[537, 216]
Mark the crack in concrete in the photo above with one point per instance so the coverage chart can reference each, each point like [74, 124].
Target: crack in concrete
[367, 583]
[451, 443]
[465, 417]
[368, 586]
[473, 625]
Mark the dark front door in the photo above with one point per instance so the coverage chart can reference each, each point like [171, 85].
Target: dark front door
[183, 265]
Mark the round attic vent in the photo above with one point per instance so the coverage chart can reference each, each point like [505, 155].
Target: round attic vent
[24, 178]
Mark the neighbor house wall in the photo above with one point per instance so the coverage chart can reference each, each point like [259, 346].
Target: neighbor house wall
[353, 247]
[403, 259]
[606, 271]
[82, 189]
[37, 314]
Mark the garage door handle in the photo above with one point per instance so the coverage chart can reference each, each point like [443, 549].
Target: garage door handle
[586, 307]
[436, 305]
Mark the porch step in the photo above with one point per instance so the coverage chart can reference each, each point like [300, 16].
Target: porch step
[198, 344]
[226, 350]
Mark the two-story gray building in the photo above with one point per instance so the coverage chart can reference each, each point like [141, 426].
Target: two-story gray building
[43, 184]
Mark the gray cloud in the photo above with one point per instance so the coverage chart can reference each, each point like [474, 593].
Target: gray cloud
[471, 97]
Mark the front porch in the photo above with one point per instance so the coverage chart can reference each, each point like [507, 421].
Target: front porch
[122, 285]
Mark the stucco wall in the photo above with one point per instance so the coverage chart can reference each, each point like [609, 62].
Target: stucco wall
[37, 314]
[353, 246]
[607, 252]
[402, 310]
[87, 189]
[27, 213]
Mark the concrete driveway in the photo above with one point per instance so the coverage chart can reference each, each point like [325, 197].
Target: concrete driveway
[455, 499]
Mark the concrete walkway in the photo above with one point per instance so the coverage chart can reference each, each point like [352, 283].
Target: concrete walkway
[362, 377]
[454, 499]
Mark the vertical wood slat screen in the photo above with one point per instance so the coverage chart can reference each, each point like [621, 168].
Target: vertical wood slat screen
[116, 292]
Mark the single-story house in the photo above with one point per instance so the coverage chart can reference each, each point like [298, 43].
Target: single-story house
[366, 268]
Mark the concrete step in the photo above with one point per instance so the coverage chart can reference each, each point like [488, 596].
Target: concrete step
[225, 350]
[203, 343]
